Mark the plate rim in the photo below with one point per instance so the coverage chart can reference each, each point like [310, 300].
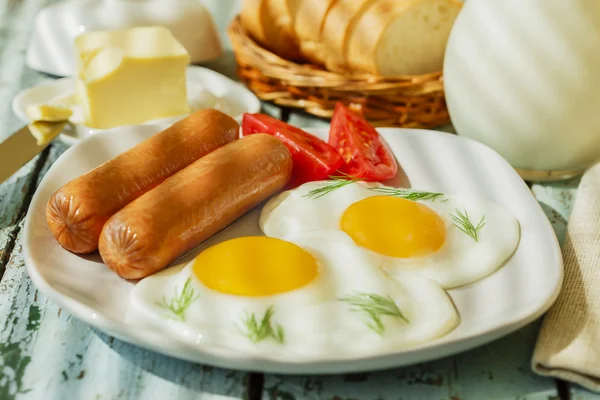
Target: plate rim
[435, 349]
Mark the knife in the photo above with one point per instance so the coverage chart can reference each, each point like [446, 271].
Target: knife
[22, 146]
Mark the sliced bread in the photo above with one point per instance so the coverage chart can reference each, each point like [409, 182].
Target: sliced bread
[339, 24]
[270, 23]
[280, 30]
[308, 22]
[251, 15]
[395, 37]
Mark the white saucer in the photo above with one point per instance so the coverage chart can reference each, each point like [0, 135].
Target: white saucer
[234, 99]
[516, 294]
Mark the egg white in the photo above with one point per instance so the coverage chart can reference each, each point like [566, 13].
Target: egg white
[314, 319]
[460, 261]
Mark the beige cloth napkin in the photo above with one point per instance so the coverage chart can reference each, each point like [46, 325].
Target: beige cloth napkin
[568, 345]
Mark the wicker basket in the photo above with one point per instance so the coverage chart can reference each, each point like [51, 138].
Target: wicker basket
[415, 101]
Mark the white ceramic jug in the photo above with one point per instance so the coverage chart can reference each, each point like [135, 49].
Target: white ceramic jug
[524, 78]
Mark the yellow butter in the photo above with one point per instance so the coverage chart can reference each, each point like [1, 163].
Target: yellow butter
[45, 131]
[130, 76]
[48, 113]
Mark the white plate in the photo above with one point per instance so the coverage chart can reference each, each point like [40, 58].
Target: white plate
[515, 295]
[235, 98]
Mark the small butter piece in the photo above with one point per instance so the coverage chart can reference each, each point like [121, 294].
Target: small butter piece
[45, 131]
[47, 113]
[130, 76]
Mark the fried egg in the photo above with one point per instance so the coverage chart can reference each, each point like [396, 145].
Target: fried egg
[450, 239]
[312, 294]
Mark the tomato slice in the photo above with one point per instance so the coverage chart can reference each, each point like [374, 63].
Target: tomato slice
[313, 158]
[366, 155]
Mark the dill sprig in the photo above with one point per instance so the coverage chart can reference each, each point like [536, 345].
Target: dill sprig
[259, 331]
[337, 181]
[373, 306]
[407, 194]
[180, 302]
[462, 222]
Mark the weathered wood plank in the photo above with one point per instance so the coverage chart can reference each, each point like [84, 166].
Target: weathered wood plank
[16, 20]
[557, 201]
[16, 25]
[15, 194]
[498, 370]
[45, 353]
[12, 194]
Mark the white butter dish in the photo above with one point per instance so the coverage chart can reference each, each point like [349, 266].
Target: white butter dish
[51, 47]
[205, 89]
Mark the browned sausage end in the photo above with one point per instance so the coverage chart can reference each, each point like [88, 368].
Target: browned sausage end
[76, 213]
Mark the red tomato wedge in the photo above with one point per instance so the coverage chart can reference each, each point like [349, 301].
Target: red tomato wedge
[313, 158]
[366, 155]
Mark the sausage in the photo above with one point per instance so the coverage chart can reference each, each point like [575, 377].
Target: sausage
[77, 212]
[193, 205]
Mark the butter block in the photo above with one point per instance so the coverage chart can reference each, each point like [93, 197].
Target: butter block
[47, 112]
[130, 76]
[44, 131]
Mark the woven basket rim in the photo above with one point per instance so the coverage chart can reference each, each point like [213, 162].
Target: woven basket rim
[310, 75]
[411, 101]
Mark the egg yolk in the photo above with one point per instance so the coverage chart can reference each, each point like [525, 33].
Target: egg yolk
[255, 266]
[394, 227]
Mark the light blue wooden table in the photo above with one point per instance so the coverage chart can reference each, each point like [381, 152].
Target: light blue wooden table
[47, 354]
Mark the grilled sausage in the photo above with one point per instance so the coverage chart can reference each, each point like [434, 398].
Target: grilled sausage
[77, 212]
[193, 205]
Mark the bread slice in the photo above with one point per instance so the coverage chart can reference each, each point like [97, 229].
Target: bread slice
[251, 15]
[289, 8]
[281, 37]
[339, 24]
[309, 17]
[270, 23]
[396, 37]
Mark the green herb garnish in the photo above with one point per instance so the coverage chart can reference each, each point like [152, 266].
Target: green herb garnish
[462, 222]
[373, 306]
[337, 181]
[407, 194]
[180, 302]
[259, 331]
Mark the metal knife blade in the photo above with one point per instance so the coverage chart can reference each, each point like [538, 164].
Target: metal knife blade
[16, 151]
